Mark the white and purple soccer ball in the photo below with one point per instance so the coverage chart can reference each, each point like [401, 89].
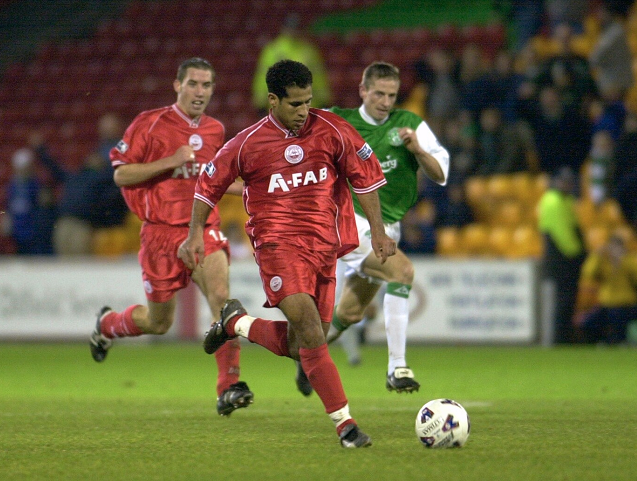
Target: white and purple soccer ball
[442, 423]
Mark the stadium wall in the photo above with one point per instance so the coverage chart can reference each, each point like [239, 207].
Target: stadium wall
[452, 301]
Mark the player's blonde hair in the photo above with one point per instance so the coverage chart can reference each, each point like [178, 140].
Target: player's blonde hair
[379, 70]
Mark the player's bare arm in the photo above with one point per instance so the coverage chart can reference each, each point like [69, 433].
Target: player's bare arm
[191, 251]
[236, 188]
[384, 246]
[132, 174]
[427, 161]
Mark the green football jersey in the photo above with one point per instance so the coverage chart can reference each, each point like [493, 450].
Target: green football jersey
[398, 164]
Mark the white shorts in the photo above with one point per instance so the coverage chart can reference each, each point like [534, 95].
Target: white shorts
[354, 260]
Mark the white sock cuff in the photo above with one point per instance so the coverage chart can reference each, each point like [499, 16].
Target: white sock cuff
[340, 416]
[242, 326]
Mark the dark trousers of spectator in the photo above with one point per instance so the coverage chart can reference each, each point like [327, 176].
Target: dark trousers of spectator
[607, 324]
[564, 272]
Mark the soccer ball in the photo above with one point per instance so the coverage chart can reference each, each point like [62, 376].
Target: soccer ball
[442, 423]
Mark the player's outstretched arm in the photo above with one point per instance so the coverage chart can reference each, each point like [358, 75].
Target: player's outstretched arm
[428, 162]
[192, 251]
[384, 246]
[132, 174]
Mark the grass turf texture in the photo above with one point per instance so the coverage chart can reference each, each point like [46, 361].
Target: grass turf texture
[148, 412]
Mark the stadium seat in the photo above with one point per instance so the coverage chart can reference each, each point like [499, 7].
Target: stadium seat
[475, 239]
[521, 185]
[539, 185]
[527, 242]
[475, 193]
[109, 242]
[500, 187]
[508, 213]
[132, 227]
[448, 242]
[500, 241]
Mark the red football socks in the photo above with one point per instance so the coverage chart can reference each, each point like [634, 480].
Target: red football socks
[273, 335]
[324, 377]
[227, 357]
[120, 324]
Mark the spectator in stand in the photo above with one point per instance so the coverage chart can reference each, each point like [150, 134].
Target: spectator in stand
[456, 212]
[612, 271]
[611, 58]
[23, 202]
[438, 73]
[504, 85]
[552, 123]
[497, 87]
[625, 184]
[602, 166]
[625, 195]
[110, 129]
[525, 16]
[568, 72]
[502, 148]
[626, 147]
[291, 44]
[418, 231]
[90, 199]
[608, 112]
[473, 66]
[460, 140]
[563, 249]
[567, 12]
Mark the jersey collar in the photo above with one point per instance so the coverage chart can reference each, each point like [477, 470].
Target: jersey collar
[191, 122]
[368, 118]
[288, 133]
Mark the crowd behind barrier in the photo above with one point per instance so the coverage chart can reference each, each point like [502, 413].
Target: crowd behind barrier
[511, 109]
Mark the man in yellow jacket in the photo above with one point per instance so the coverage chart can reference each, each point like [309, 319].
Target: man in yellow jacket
[563, 249]
[614, 271]
[291, 44]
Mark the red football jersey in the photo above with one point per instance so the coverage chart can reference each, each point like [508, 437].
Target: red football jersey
[153, 135]
[296, 185]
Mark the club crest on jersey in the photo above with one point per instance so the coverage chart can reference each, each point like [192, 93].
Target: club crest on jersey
[122, 147]
[195, 141]
[365, 152]
[210, 169]
[294, 154]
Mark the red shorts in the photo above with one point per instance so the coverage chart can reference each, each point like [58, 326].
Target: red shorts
[162, 271]
[291, 270]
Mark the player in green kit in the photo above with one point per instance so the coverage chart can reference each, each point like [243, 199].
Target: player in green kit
[403, 143]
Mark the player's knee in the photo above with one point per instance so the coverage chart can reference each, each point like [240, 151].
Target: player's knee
[404, 272]
[350, 316]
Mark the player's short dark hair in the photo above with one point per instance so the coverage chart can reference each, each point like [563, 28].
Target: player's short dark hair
[379, 70]
[194, 62]
[285, 74]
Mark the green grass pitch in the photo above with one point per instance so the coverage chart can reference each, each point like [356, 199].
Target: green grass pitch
[148, 412]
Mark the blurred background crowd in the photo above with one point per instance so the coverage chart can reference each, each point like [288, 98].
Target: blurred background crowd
[536, 102]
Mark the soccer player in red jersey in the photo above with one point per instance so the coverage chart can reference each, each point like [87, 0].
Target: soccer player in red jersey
[295, 164]
[157, 164]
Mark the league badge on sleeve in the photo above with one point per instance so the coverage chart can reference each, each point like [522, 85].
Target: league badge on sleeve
[365, 152]
[122, 147]
[210, 169]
